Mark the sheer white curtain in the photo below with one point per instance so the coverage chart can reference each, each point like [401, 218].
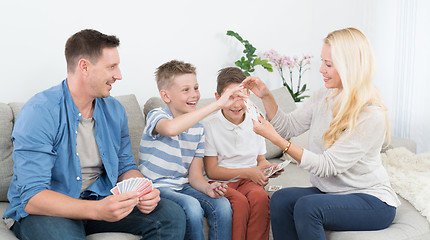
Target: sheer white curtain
[400, 35]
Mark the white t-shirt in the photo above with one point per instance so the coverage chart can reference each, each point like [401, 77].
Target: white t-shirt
[236, 146]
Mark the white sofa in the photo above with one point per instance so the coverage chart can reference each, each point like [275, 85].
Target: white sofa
[408, 224]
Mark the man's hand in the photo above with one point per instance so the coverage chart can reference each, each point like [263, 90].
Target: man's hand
[149, 201]
[115, 207]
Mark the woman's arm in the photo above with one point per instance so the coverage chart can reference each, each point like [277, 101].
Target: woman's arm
[260, 90]
[265, 129]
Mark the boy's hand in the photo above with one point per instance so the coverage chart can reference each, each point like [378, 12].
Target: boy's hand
[256, 175]
[256, 86]
[115, 207]
[230, 96]
[148, 202]
[275, 174]
[215, 190]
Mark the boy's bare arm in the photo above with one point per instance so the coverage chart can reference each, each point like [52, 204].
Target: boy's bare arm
[185, 121]
[199, 182]
[262, 162]
[255, 174]
[221, 173]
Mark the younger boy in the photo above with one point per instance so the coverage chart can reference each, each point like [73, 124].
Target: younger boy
[172, 148]
[232, 148]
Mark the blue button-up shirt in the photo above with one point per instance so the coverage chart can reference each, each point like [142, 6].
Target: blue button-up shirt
[45, 155]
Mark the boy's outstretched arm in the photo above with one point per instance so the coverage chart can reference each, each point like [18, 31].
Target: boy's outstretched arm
[179, 124]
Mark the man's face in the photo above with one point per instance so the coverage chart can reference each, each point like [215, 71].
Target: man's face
[103, 73]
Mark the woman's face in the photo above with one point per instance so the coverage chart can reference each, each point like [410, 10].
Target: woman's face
[329, 72]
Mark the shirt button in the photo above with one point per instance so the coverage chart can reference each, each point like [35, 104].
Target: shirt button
[76, 132]
[78, 178]
[77, 154]
[79, 114]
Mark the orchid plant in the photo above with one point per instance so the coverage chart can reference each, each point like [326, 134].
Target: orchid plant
[282, 62]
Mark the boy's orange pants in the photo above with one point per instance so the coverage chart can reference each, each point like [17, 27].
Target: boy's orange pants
[251, 213]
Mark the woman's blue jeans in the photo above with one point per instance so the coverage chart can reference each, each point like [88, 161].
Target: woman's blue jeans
[304, 213]
[196, 205]
[166, 221]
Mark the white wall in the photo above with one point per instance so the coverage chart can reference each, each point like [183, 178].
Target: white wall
[153, 32]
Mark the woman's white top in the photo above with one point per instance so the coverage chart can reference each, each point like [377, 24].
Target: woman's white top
[353, 163]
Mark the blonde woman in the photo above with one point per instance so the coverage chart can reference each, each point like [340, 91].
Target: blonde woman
[347, 123]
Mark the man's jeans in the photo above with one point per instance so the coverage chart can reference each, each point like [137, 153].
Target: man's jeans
[304, 213]
[166, 221]
[196, 205]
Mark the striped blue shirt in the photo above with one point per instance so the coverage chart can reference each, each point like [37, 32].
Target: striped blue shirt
[166, 160]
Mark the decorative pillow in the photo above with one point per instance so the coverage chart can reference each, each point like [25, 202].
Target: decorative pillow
[154, 102]
[136, 121]
[410, 176]
[6, 148]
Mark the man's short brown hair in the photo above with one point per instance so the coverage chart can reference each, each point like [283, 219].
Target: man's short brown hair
[165, 73]
[227, 76]
[88, 44]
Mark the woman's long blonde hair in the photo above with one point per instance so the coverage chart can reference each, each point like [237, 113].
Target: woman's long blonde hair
[353, 59]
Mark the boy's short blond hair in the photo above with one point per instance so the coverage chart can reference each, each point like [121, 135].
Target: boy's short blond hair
[227, 76]
[165, 73]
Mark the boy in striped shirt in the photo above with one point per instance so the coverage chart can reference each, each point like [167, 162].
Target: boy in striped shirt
[172, 149]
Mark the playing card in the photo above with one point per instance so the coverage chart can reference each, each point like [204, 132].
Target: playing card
[270, 171]
[141, 185]
[252, 109]
[115, 190]
[273, 188]
[228, 181]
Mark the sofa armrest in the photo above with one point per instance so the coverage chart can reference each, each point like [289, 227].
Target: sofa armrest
[396, 142]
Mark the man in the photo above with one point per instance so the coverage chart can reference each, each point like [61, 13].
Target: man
[71, 146]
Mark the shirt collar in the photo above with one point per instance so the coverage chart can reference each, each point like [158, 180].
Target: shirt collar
[231, 126]
[70, 102]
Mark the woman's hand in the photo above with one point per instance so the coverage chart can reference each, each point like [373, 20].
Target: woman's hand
[263, 128]
[256, 86]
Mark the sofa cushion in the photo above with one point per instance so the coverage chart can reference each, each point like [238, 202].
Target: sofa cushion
[408, 224]
[6, 163]
[16, 106]
[154, 102]
[136, 121]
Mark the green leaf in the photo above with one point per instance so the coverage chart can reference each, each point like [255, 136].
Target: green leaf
[303, 88]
